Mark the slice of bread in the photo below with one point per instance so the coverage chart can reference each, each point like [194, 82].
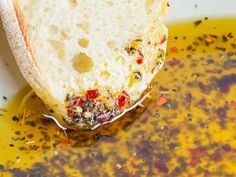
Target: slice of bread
[89, 61]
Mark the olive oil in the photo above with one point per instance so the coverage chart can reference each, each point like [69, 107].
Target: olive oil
[191, 132]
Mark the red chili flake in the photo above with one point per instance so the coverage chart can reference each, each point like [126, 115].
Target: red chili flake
[64, 142]
[174, 49]
[140, 60]
[133, 164]
[92, 94]
[79, 101]
[233, 105]
[121, 101]
[173, 62]
[226, 147]
[68, 107]
[210, 71]
[197, 153]
[191, 175]
[161, 166]
[162, 100]
[163, 40]
[193, 162]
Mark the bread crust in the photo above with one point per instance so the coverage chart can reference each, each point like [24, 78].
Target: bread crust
[12, 23]
[12, 20]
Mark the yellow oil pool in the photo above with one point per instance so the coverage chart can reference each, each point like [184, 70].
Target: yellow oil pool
[187, 128]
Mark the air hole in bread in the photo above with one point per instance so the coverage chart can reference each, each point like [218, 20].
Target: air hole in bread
[83, 42]
[82, 63]
[73, 2]
[59, 48]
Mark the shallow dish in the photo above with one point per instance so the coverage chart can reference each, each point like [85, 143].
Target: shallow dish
[187, 128]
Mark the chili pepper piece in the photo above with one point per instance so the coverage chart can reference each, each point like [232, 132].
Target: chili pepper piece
[79, 101]
[140, 60]
[162, 100]
[92, 94]
[121, 101]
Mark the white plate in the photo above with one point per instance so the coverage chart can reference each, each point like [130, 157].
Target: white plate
[11, 80]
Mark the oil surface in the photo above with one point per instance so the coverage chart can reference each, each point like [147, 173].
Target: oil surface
[187, 128]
